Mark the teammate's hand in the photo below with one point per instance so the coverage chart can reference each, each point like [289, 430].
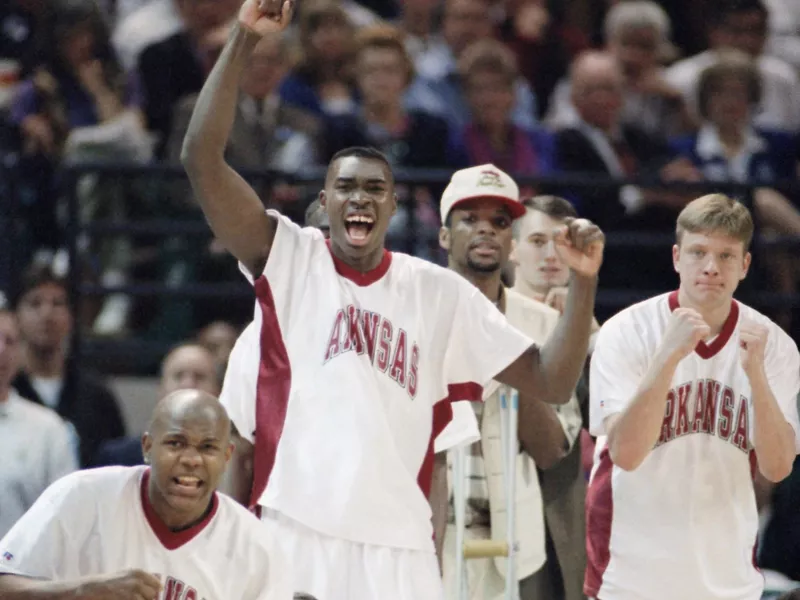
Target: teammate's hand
[752, 344]
[579, 243]
[128, 585]
[557, 298]
[685, 329]
[265, 17]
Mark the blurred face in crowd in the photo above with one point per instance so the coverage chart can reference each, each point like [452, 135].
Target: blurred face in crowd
[538, 263]
[479, 237]
[597, 90]
[745, 31]
[382, 75]
[329, 39]
[636, 49]
[218, 338]
[189, 367]
[265, 69]
[491, 97]
[729, 104]
[319, 219]
[710, 265]
[200, 16]
[9, 349]
[465, 22]
[45, 320]
[77, 46]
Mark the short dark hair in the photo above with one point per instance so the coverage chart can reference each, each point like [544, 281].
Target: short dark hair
[554, 207]
[36, 275]
[721, 10]
[364, 152]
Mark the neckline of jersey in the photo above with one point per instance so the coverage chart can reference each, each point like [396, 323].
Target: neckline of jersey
[172, 540]
[718, 343]
[356, 276]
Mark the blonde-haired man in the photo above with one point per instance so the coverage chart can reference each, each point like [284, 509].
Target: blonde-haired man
[691, 391]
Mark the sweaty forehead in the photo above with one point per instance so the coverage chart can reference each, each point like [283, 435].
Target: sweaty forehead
[197, 423]
[359, 169]
[536, 222]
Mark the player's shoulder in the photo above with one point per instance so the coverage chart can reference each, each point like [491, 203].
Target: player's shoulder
[777, 335]
[285, 224]
[248, 528]
[643, 321]
[89, 485]
[429, 274]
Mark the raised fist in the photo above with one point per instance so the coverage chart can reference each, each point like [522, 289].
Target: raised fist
[265, 17]
[685, 329]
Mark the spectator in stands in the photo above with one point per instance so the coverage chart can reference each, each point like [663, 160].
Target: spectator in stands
[156, 20]
[408, 138]
[600, 144]
[178, 65]
[322, 82]
[188, 366]
[49, 375]
[542, 277]
[317, 216]
[438, 89]
[218, 338]
[37, 446]
[638, 35]
[22, 42]
[488, 70]
[742, 25]
[267, 131]
[419, 20]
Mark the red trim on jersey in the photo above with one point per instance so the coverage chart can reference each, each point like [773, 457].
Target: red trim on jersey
[708, 350]
[172, 540]
[272, 391]
[599, 513]
[356, 276]
[442, 415]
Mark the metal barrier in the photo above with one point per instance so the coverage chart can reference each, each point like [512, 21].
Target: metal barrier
[150, 350]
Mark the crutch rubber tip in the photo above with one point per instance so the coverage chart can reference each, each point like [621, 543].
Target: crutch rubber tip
[485, 549]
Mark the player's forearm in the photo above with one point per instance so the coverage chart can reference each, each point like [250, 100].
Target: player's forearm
[14, 587]
[541, 433]
[438, 501]
[215, 110]
[562, 358]
[773, 437]
[636, 430]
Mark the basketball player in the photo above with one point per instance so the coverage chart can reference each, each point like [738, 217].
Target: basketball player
[470, 224]
[693, 391]
[360, 353]
[133, 533]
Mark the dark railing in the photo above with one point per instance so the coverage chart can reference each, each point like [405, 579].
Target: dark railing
[151, 350]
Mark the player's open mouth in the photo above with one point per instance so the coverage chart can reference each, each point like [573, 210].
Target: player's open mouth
[358, 228]
[187, 484]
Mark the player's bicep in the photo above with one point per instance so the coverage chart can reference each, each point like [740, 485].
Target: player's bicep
[234, 212]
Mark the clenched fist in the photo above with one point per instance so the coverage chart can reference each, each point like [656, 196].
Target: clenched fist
[685, 329]
[129, 585]
[752, 345]
[265, 17]
[579, 243]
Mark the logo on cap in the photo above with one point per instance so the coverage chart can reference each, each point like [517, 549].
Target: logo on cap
[490, 179]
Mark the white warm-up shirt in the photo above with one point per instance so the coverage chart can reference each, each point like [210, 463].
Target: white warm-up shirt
[356, 375]
[684, 523]
[100, 522]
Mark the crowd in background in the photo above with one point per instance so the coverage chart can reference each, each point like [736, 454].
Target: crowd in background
[675, 91]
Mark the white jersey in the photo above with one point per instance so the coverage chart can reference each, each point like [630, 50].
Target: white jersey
[684, 523]
[100, 522]
[356, 375]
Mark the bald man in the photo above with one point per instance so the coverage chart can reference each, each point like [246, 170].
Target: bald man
[187, 366]
[131, 533]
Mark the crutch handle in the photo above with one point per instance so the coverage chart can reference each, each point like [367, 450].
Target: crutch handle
[485, 549]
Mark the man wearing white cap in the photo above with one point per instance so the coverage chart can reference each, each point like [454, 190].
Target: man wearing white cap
[477, 212]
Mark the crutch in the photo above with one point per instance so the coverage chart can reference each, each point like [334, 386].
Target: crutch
[465, 550]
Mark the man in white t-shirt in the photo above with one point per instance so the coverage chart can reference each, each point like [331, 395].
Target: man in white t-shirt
[691, 392]
[361, 352]
[141, 533]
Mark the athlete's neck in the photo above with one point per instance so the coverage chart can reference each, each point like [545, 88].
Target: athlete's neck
[526, 289]
[488, 283]
[44, 362]
[174, 520]
[715, 316]
[363, 264]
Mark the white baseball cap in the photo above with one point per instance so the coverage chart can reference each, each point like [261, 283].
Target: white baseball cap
[483, 181]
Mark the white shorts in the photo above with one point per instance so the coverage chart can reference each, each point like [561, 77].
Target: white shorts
[334, 569]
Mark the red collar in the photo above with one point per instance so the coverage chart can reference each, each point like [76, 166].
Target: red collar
[356, 276]
[172, 540]
[708, 350]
